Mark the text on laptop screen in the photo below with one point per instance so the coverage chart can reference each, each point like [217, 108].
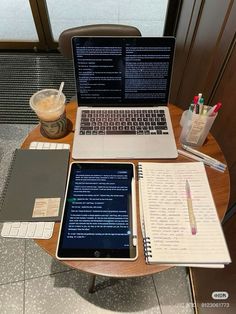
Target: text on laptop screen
[123, 70]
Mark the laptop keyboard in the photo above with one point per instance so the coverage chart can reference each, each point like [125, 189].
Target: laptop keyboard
[123, 121]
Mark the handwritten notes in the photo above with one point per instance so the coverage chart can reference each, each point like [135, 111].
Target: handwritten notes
[165, 220]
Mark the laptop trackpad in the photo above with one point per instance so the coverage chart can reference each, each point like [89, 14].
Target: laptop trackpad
[90, 147]
[122, 146]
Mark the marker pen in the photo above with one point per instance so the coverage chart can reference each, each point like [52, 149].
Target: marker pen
[212, 112]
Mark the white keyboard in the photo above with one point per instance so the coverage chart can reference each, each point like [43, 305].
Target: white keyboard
[32, 230]
[48, 145]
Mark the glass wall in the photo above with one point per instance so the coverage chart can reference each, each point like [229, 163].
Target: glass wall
[147, 15]
[17, 23]
[37, 24]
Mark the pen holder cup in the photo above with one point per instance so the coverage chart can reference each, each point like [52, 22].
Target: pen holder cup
[195, 128]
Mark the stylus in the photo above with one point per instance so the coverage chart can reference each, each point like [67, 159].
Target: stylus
[134, 213]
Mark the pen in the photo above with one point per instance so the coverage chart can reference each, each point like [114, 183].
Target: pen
[205, 110]
[199, 97]
[201, 105]
[212, 112]
[134, 213]
[192, 219]
[197, 109]
[198, 104]
[194, 157]
[195, 99]
[217, 107]
[204, 156]
[191, 107]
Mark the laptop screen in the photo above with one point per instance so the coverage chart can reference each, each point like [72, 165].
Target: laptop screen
[115, 70]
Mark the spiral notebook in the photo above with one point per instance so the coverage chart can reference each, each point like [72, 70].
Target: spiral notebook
[167, 225]
[35, 186]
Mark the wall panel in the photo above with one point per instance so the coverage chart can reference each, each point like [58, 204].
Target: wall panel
[206, 62]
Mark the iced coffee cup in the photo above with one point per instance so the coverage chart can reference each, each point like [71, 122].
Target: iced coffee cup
[50, 110]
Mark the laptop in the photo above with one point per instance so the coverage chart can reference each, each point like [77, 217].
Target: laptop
[123, 87]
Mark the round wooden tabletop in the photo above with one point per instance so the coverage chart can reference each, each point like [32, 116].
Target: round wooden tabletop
[219, 183]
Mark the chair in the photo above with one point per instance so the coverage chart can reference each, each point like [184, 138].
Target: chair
[93, 30]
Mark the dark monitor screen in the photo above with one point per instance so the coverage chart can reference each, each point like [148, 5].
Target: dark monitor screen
[114, 70]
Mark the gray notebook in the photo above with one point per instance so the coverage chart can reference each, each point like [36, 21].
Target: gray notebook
[35, 186]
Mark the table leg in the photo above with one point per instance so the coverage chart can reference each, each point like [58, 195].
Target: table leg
[92, 283]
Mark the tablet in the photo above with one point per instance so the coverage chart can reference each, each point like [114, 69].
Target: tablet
[99, 219]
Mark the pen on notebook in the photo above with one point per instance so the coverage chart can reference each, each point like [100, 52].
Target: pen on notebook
[134, 214]
[192, 219]
[197, 158]
[204, 156]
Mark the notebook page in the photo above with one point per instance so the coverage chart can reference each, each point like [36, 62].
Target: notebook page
[166, 216]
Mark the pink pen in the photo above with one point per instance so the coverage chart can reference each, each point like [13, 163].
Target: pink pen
[192, 219]
[212, 112]
[217, 107]
[195, 99]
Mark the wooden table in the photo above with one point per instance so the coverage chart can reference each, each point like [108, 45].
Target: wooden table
[219, 183]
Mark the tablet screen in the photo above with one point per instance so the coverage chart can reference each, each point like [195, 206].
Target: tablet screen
[97, 219]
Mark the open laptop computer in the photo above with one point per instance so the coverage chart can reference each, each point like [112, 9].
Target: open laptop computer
[122, 91]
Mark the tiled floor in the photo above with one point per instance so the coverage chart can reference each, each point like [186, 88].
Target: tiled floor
[31, 282]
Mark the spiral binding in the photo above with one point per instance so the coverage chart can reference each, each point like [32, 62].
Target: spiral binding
[147, 247]
[140, 172]
[7, 180]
